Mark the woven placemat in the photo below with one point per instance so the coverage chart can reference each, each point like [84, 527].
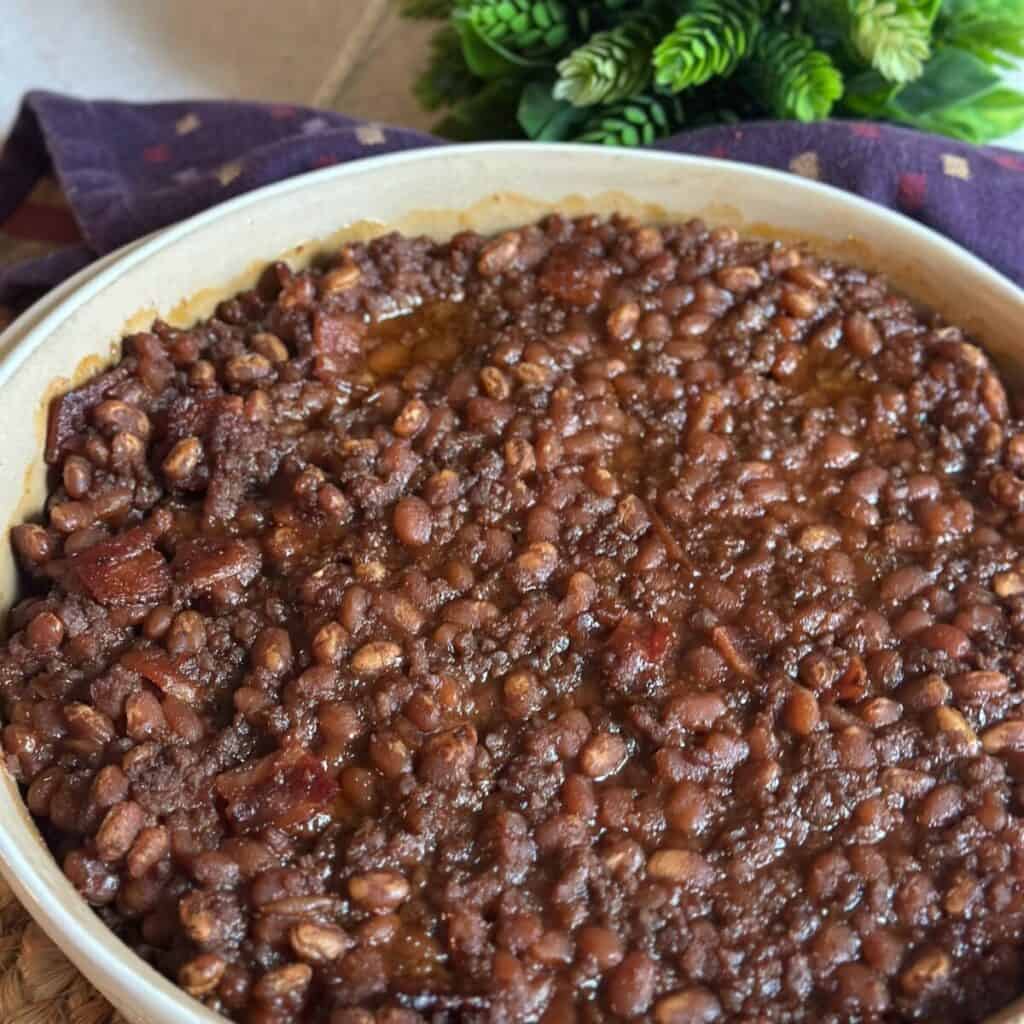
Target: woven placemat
[38, 984]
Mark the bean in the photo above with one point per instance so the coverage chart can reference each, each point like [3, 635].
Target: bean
[622, 321]
[45, 632]
[201, 975]
[928, 970]
[799, 302]
[862, 336]
[819, 538]
[87, 723]
[689, 809]
[520, 457]
[340, 279]
[903, 584]
[270, 346]
[696, 712]
[693, 324]
[739, 279]
[283, 982]
[412, 419]
[522, 694]
[980, 685]
[42, 790]
[948, 639]
[114, 416]
[379, 891]
[72, 516]
[378, 656]
[77, 476]
[925, 693]
[442, 488]
[601, 946]
[32, 543]
[319, 944]
[681, 867]
[942, 806]
[603, 755]
[119, 830]
[1008, 584]
[187, 634]
[1006, 736]
[390, 754]
[537, 562]
[802, 713]
[495, 384]
[499, 255]
[447, 757]
[531, 375]
[953, 723]
[272, 651]
[183, 459]
[631, 985]
[695, 1005]
[247, 369]
[413, 522]
[151, 846]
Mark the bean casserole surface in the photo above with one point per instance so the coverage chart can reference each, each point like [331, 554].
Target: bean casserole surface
[598, 622]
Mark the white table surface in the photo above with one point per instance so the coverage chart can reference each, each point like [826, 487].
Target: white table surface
[353, 55]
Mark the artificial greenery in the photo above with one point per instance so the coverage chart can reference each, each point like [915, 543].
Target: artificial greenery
[709, 40]
[627, 72]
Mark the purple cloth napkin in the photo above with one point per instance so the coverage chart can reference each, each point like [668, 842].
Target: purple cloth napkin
[127, 169]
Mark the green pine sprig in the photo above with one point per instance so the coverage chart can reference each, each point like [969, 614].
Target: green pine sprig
[893, 37]
[792, 78]
[612, 65]
[709, 40]
[525, 29]
[635, 122]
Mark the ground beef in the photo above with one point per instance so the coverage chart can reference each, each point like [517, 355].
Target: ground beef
[593, 623]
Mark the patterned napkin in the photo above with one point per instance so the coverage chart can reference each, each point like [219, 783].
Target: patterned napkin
[123, 170]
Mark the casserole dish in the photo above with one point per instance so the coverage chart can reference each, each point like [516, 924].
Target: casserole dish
[180, 275]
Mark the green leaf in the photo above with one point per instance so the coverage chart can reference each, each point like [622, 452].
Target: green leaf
[869, 94]
[953, 77]
[993, 30]
[957, 95]
[544, 118]
[997, 113]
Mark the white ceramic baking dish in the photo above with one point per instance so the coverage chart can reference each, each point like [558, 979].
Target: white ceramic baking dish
[182, 272]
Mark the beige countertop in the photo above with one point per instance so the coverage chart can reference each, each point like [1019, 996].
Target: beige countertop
[352, 55]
